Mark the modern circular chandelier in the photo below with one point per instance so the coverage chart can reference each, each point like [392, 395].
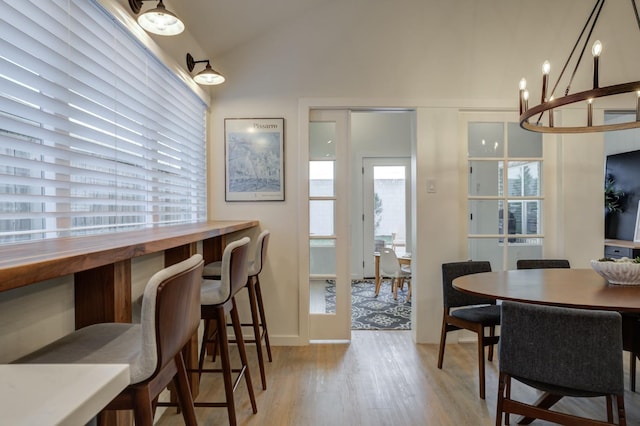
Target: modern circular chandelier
[539, 118]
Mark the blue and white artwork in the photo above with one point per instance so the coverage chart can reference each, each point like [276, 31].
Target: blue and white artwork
[254, 159]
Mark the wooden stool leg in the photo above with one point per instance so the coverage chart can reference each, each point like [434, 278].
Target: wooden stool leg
[256, 331]
[263, 318]
[226, 364]
[181, 383]
[237, 329]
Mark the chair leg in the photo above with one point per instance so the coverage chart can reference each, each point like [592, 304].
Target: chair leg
[409, 293]
[492, 333]
[237, 329]
[142, 409]
[609, 399]
[632, 372]
[256, 331]
[622, 417]
[480, 332]
[263, 318]
[181, 383]
[394, 287]
[443, 339]
[500, 401]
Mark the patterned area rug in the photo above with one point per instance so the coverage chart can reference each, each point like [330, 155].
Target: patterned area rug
[373, 313]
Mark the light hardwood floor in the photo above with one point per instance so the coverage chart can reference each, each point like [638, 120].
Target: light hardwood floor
[380, 378]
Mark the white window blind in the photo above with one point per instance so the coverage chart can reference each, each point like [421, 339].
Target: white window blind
[96, 135]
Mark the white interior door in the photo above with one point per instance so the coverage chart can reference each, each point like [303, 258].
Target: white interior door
[387, 207]
[329, 236]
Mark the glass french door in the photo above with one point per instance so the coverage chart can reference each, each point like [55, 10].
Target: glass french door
[329, 275]
[386, 204]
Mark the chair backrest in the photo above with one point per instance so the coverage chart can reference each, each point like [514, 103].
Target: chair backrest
[453, 298]
[542, 264]
[260, 254]
[389, 264]
[170, 314]
[235, 267]
[573, 349]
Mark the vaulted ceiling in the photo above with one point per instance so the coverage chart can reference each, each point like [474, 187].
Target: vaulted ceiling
[221, 25]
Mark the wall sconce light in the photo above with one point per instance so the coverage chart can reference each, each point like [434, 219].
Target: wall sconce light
[159, 20]
[208, 75]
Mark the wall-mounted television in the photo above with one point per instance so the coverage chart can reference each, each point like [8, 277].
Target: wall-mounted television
[624, 169]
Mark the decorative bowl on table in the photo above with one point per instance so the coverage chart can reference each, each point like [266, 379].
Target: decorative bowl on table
[623, 271]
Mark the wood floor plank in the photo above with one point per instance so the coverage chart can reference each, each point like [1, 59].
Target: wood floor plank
[381, 378]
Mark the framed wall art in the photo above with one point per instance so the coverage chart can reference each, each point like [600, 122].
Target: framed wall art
[254, 159]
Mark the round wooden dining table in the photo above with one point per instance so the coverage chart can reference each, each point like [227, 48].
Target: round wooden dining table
[574, 288]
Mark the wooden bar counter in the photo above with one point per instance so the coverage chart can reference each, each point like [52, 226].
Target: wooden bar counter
[101, 266]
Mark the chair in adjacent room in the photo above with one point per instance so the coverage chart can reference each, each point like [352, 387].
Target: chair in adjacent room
[542, 263]
[218, 301]
[390, 268]
[562, 352]
[258, 318]
[469, 312]
[153, 348]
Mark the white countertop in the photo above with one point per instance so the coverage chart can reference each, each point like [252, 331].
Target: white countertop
[58, 394]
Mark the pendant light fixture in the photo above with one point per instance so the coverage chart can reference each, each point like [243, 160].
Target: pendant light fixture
[208, 76]
[549, 102]
[159, 20]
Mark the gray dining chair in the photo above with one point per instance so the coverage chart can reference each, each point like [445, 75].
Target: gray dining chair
[469, 312]
[562, 352]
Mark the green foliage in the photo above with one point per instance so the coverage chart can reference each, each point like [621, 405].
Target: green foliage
[377, 211]
[612, 196]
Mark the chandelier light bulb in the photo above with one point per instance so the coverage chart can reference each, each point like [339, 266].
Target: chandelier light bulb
[596, 50]
[523, 84]
[546, 67]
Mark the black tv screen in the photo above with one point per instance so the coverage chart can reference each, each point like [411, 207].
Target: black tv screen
[624, 169]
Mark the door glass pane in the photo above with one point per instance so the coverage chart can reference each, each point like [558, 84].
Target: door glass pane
[485, 177]
[523, 143]
[485, 217]
[524, 178]
[321, 179]
[321, 140]
[322, 257]
[486, 140]
[321, 217]
[389, 208]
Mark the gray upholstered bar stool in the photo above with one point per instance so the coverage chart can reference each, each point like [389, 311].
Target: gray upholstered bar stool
[153, 348]
[213, 271]
[218, 300]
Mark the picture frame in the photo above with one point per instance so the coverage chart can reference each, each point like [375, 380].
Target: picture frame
[254, 159]
[636, 234]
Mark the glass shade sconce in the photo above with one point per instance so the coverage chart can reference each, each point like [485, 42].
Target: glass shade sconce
[159, 20]
[208, 76]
